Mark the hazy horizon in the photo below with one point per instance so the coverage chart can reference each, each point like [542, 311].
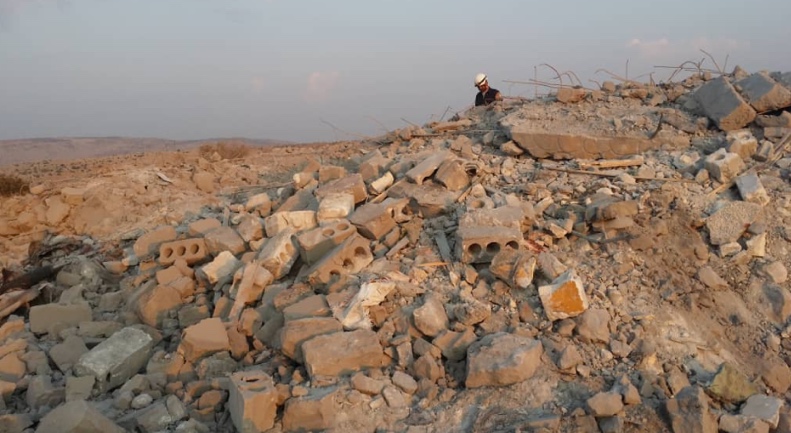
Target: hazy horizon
[271, 69]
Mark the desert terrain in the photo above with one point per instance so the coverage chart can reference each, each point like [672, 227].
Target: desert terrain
[611, 259]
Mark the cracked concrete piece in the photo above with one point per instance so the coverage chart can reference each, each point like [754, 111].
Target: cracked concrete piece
[723, 104]
[731, 221]
[116, 359]
[77, 417]
[502, 359]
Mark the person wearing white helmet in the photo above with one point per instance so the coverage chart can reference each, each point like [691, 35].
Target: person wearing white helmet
[486, 95]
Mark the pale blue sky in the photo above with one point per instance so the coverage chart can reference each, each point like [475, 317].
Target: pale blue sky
[188, 69]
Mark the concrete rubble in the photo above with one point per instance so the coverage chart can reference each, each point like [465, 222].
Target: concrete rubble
[514, 268]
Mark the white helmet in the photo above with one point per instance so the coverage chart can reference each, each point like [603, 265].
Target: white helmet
[480, 79]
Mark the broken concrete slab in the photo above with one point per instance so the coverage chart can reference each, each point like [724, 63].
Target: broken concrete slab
[502, 359]
[763, 93]
[751, 189]
[116, 359]
[77, 417]
[731, 221]
[342, 352]
[316, 411]
[203, 339]
[296, 332]
[149, 243]
[546, 144]
[723, 104]
[44, 317]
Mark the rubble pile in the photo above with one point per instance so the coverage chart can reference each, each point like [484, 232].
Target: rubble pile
[451, 279]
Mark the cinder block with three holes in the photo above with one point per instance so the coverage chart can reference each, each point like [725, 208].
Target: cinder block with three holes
[191, 250]
[350, 257]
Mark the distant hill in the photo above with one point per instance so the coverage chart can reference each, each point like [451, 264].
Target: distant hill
[68, 148]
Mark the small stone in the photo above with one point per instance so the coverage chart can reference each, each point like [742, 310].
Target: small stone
[776, 272]
[404, 381]
[709, 277]
[731, 385]
[141, 401]
[605, 404]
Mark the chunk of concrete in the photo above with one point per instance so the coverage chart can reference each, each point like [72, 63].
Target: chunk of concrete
[570, 95]
[44, 317]
[564, 298]
[335, 206]
[252, 401]
[742, 142]
[316, 243]
[689, 412]
[248, 285]
[731, 221]
[296, 221]
[777, 272]
[593, 325]
[711, 279]
[77, 417]
[452, 174]
[722, 104]
[763, 407]
[296, 332]
[279, 254]
[149, 243]
[560, 145]
[763, 93]
[502, 359]
[427, 166]
[156, 304]
[373, 220]
[342, 352]
[67, 353]
[605, 404]
[348, 258]
[316, 411]
[113, 361]
[352, 184]
[203, 339]
[751, 189]
[431, 318]
[731, 385]
[723, 165]
[203, 226]
[224, 239]
[259, 203]
[222, 267]
[454, 345]
[516, 268]
[356, 313]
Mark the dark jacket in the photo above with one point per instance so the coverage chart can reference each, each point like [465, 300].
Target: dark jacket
[486, 98]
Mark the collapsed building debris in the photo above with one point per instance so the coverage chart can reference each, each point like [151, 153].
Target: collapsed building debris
[434, 279]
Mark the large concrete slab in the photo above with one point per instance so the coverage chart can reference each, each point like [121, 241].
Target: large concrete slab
[723, 104]
[116, 359]
[559, 145]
